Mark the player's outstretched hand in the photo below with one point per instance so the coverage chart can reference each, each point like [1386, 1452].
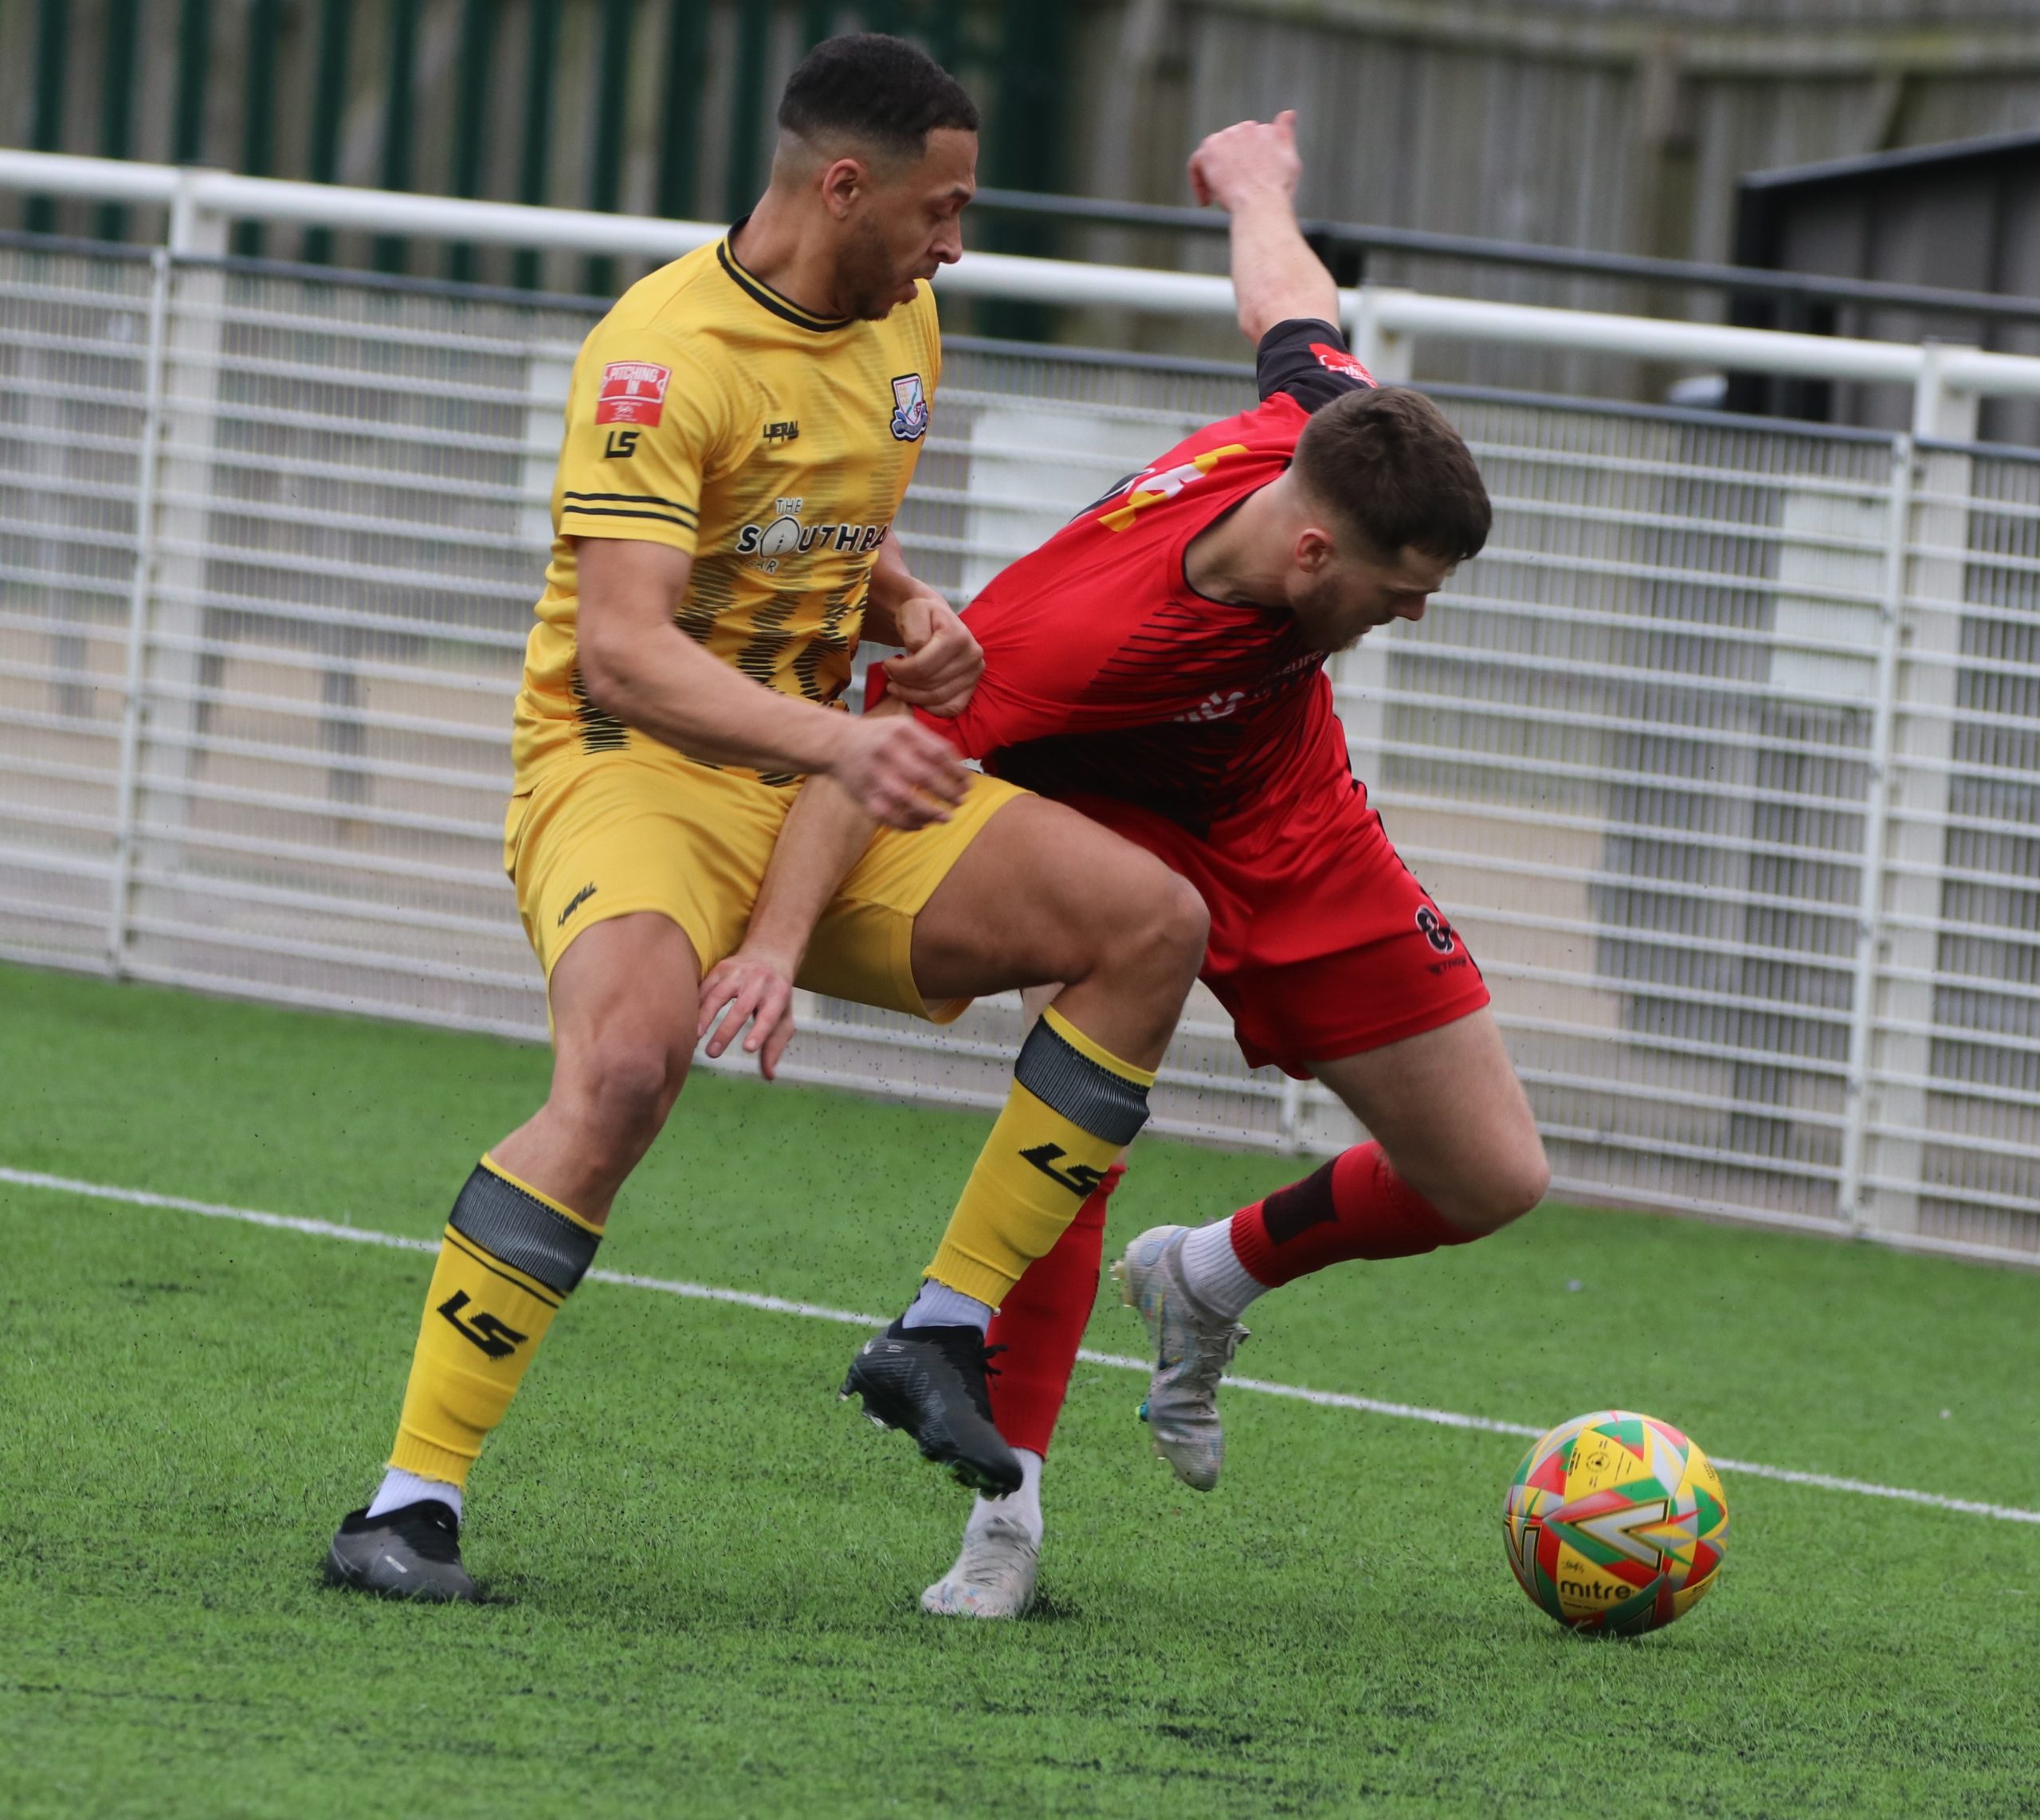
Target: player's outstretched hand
[1253, 158]
[898, 772]
[942, 662]
[754, 988]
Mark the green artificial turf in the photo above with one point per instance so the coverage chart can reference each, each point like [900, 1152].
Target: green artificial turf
[708, 1567]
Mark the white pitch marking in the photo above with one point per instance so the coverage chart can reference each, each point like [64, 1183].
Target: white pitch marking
[1118, 1361]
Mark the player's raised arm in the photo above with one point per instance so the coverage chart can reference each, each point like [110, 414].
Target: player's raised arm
[638, 665]
[1250, 171]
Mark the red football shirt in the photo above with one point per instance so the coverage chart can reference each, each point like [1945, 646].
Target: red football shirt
[1107, 673]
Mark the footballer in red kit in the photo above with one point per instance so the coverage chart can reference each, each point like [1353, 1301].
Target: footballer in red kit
[1159, 664]
[1111, 683]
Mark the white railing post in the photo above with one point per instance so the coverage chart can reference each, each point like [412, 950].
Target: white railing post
[139, 590]
[166, 720]
[1876, 809]
[1389, 354]
[1917, 787]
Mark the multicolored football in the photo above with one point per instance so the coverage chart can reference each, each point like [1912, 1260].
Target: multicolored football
[1616, 1522]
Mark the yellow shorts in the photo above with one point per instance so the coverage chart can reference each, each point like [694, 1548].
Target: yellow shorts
[611, 835]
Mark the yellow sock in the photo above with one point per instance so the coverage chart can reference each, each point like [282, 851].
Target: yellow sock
[1073, 1107]
[509, 1258]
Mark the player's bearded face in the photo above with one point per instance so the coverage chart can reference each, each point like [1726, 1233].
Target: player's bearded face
[908, 227]
[870, 281]
[1348, 595]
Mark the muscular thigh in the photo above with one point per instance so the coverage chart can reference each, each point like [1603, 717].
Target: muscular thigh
[628, 987]
[1026, 903]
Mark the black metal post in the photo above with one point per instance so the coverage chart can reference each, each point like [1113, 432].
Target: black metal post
[471, 118]
[1026, 150]
[680, 125]
[46, 133]
[258, 138]
[194, 37]
[754, 30]
[541, 47]
[116, 117]
[329, 103]
[942, 29]
[398, 110]
[612, 100]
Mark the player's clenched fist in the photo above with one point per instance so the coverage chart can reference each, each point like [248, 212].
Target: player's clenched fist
[942, 661]
[1254, 156]
[898, 772]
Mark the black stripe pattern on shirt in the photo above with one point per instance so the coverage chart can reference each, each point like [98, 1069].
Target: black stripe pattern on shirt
[600, 732]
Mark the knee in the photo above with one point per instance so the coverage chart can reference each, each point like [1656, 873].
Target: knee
[1511, 1185]
[624, 1087]
[1166, 939]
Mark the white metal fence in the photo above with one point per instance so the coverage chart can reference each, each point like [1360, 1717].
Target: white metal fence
[1725, 755]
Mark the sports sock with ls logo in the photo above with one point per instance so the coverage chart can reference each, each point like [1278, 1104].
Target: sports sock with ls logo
[509, 1257]
[1073, 1106]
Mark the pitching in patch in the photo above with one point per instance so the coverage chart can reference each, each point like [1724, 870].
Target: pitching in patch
[632, 391]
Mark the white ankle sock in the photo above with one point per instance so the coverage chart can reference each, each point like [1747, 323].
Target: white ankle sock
[938, 1305]
[1023, 1507]
[1213, 1272]
[400, 1489]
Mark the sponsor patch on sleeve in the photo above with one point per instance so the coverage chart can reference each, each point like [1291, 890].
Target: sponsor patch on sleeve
[1338, 360]
[632, 391]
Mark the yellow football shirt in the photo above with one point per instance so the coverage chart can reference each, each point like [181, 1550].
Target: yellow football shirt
[710, 414]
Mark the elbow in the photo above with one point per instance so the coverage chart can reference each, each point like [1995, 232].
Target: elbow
[604, 681]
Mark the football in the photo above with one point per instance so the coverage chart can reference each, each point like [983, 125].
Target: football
[1616, 1522]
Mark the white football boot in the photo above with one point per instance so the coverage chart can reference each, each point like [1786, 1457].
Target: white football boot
[1191, 1350]
[994, 1576]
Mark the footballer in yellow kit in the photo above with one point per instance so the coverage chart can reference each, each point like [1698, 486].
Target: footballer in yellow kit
[732, 464]
[710, 414]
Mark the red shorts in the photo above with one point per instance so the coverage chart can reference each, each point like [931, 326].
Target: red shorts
[1323, 943]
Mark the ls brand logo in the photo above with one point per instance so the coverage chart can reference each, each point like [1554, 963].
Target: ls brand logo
[1080, 1179]
[623, 444]
[496, 1340]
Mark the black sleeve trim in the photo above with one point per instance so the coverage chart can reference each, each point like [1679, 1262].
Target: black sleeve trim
[673, 519]
[633, 499]
[1308, 359]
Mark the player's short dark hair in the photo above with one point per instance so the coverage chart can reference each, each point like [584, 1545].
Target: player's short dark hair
[879, 89]
[1391, 465]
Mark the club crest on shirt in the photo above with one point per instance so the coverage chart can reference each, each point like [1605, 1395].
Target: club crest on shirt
[909, 408]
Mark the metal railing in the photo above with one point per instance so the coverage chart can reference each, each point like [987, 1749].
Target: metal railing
[1725, 754]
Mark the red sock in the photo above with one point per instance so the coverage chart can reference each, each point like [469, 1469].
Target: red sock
[1355, 1206]
[1042, 1323]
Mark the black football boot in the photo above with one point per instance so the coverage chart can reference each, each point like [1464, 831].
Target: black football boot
[930, 1381]
[411, 1552]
